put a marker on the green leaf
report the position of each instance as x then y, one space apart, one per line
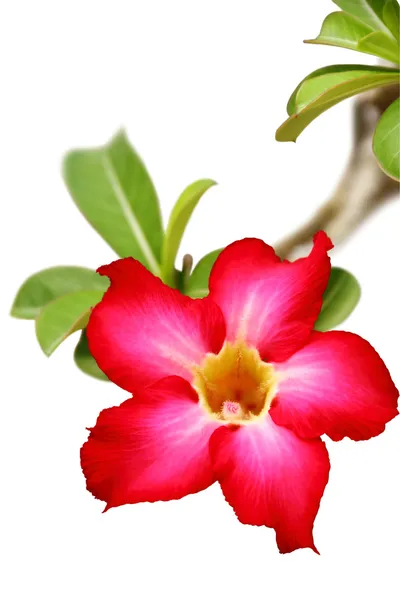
85 361
341 29
326 87
341 83
391 17
340 299
381 45
369 12
345 31
63 316
178 221
44 287
291 105
386 141
197 286
112 188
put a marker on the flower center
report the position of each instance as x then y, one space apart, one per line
235 385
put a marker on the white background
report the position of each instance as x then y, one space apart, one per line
201 88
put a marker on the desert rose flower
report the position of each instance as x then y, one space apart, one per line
235 388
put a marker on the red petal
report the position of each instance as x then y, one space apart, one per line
271 477
143 330
154 447
337 384
271 304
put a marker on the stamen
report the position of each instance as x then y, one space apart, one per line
235 385
231 410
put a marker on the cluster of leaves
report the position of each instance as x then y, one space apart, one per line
113 190
369 26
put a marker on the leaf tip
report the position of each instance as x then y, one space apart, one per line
280 135
119 134
14 311
19 312
210 183
47 350
67 162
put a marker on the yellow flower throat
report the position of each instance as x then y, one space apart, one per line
235 385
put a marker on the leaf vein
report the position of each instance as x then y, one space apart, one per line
129 215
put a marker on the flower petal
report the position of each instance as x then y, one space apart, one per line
154 447
143 330
271 477
337 384
273 305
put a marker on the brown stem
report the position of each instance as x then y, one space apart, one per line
187 264
363 188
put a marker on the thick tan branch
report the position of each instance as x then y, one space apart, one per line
363 188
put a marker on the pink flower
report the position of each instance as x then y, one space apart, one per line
235 388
